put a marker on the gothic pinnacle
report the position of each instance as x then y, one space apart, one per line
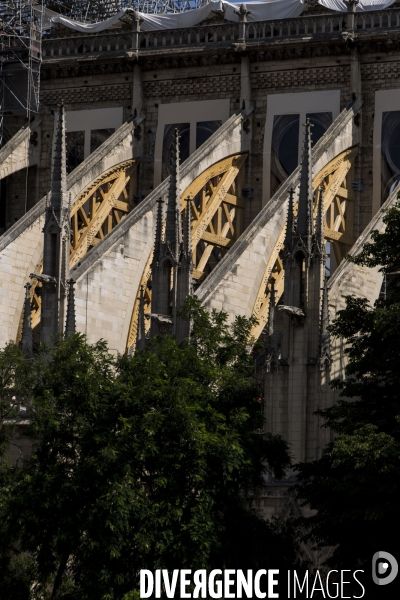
173 229
141 332
319 225
324 336
56 242
304 226
26 340
187 242
158 238
271 315
289 224
271 345
70 325
59 198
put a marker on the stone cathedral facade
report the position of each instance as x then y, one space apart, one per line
239 160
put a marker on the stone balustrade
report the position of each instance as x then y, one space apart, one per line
224 34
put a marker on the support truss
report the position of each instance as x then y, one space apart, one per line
95 212
338 229
217 221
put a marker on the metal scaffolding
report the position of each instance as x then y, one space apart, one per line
22 25
97 10
20 58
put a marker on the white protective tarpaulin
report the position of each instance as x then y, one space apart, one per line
87 27
260 11
362 6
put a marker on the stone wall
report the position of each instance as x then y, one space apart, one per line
21 247
108 278
350 279
234 283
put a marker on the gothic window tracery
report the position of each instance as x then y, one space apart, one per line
339 198
286 142
390 153
75 142
98 137
204 130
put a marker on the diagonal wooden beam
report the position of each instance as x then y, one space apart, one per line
198 184
206 220
217 240
338 236
102 213
199 271
333 176
107 177
219 194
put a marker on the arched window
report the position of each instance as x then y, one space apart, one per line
390 153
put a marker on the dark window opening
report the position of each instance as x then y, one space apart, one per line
168 146
204 130
321 122
284 149
285 143
98 137
390 153
75 149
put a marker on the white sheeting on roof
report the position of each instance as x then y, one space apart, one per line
260 11
362 6
88 27
267 10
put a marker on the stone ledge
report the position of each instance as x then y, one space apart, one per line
77 174
149 202
272 207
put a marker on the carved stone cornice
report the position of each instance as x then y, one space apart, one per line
176 58
190 60
59 70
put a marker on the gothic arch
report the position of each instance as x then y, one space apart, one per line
94 213
335 178
217 221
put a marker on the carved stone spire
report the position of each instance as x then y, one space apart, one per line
59 196
172 262
56 242
26 339
289 225
304 226
184 275
70 325
271 312
324 335
158 247
187 240
141 332
271 349
167 266
319 246
160 274
173 228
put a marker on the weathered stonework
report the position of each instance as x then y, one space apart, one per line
21 247
139 73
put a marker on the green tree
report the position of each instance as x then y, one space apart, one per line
143 461
355 485
16 378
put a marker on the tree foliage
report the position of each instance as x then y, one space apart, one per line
355 486
144 461
16 378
